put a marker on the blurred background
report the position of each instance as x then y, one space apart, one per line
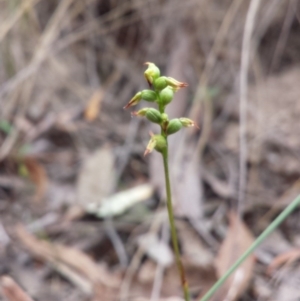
82 212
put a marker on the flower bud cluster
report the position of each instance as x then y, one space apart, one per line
162 92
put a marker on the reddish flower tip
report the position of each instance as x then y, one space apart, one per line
183 85
147 151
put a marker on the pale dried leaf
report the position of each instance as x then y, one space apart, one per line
262 287
288 289
284 258
12 291
120 202
97 178
192 248
4 237
84 284
156 249
188 189
147 272
237 241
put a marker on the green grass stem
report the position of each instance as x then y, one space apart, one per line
277 221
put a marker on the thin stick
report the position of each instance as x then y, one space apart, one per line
246 49
280 218
173 229
9 22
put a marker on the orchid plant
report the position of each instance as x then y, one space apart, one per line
161 92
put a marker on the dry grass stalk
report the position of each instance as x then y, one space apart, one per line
75 259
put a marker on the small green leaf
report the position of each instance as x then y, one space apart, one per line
5 126
23 171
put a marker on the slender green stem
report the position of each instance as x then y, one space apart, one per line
280 218
173 229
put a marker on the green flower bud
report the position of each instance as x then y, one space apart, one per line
161 143
141 112
157 142
151 73
148 95
154 115
175 83
150 113
164 116
160 83
174 126
186 122
166 95
134 100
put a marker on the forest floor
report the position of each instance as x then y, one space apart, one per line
82 211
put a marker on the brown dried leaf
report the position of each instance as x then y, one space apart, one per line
284 258
94 105
193 250
38 176
12 291
237 241
71 257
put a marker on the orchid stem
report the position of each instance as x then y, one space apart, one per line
184 283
